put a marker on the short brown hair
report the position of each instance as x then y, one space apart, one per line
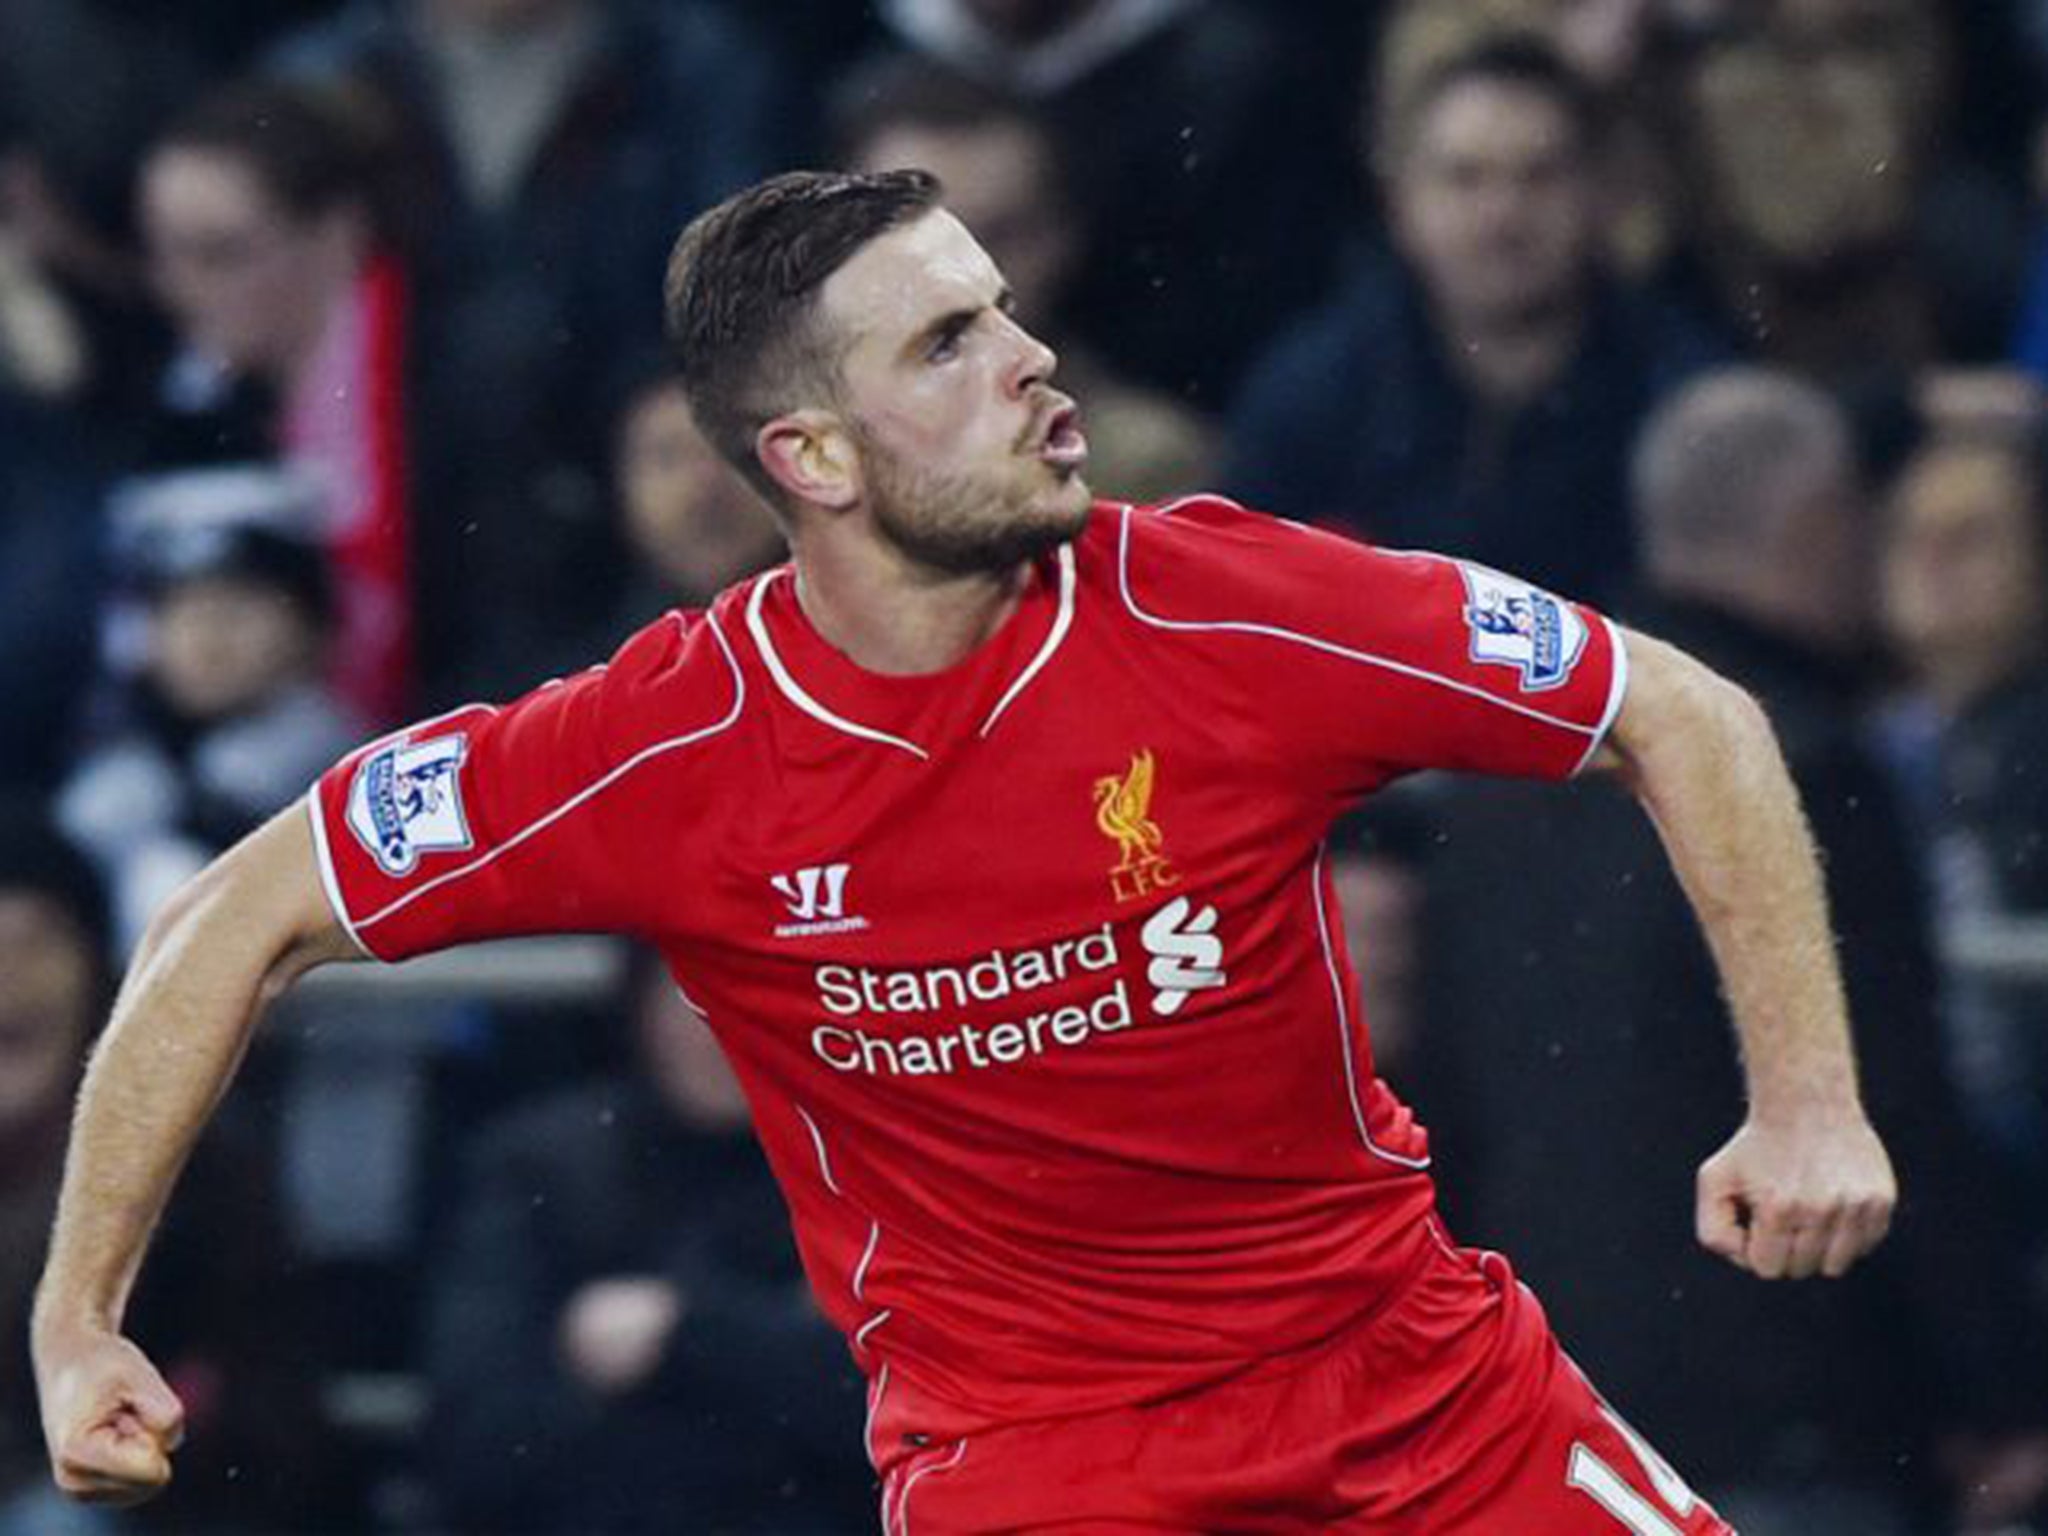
742 291
1518 60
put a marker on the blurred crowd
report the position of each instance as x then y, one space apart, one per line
332 394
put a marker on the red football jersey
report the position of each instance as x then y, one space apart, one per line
1030 967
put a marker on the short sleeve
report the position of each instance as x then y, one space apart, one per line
1368 663
531 817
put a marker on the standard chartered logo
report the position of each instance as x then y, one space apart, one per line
1186 956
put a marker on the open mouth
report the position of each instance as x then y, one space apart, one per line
1064 445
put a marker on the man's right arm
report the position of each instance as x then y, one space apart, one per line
228 943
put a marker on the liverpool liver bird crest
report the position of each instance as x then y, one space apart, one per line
1123 810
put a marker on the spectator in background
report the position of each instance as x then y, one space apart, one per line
225 721
43 346
692 525
695 526
1004 178
53 982
1479 395
553 149
1205 151
50 536
1611 45
85 86
220 1287
261 212
1964 567
1795 1412
619 1336
1844 234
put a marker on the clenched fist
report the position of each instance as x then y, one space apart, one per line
1793 1199
109 1420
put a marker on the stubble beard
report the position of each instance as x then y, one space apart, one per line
947 522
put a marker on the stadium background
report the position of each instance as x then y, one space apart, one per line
331 395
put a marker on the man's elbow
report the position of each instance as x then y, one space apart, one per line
1681 712
1725 711
261 896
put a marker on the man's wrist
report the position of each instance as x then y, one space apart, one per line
1807 1106
62 1309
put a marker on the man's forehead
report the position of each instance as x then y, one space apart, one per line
1485 104
901 280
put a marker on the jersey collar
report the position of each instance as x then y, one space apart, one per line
910 714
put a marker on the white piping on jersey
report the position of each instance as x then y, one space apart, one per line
419 727
824 1162
1062 622
1313 642
584 795
797 694
860 1270
910 1482
1617 689
794 691
324 857
1168 508
867 1432
1345 1032
1443 1241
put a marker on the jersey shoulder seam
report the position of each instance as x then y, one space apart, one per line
1256 628
589 792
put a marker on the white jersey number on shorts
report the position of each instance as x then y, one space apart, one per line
1612 1492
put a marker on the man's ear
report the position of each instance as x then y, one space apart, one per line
811 456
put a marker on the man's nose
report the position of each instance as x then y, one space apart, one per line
1035 360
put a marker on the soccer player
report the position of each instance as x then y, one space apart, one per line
989 835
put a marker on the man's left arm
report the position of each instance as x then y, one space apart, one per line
1805 1186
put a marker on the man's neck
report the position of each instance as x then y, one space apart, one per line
890 615
1509 360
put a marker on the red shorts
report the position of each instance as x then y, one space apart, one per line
1450 1412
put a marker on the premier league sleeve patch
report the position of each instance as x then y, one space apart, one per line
1516 625
406 800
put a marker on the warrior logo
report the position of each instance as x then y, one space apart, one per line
816 898
819 891
1123 810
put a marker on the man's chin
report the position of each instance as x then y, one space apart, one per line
1071 499
1063 519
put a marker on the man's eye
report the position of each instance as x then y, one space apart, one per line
944 347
